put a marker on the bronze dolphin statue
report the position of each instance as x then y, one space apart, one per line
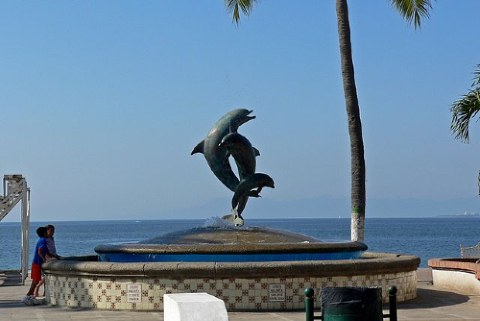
247 187
242 152
244 155
217 156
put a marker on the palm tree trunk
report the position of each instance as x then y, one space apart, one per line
358 194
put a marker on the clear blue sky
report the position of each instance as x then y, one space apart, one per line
102 101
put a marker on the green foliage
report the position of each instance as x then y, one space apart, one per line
413 10
234 6
464 109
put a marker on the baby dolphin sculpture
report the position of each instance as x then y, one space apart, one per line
246 188
217 156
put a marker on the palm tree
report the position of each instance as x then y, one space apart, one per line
412 11
464 109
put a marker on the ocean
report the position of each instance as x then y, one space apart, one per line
426 238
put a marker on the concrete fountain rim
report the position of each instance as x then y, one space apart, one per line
370 263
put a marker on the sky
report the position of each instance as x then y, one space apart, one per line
102 102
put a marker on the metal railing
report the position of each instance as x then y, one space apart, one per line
470 251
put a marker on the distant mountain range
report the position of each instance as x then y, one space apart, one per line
328 207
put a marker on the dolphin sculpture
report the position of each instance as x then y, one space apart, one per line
244 155
242 152
217 156
247 187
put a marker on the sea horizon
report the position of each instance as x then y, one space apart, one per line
474 215
425 237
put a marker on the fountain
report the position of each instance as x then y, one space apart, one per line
230 245
249 268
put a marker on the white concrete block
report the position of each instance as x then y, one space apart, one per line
193 307
459 281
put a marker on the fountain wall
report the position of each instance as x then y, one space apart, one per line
82 282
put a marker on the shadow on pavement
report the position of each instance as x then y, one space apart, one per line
431 298
10 304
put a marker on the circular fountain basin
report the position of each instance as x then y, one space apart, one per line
230 245
250 269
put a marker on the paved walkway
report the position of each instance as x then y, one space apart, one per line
431 304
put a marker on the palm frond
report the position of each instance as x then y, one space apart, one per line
466 108
463 110
413 10
234 7
476 78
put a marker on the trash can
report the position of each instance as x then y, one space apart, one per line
352 304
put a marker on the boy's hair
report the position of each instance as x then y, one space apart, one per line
50 226
42 231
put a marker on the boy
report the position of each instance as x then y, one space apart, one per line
39 257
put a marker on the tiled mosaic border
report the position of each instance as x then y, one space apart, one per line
239 294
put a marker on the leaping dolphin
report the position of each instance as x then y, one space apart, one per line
217 156
242 152
246 188
244 155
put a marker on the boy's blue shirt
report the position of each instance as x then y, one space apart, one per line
42 245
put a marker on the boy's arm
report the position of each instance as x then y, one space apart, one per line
41 253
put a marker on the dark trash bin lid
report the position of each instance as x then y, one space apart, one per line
352 304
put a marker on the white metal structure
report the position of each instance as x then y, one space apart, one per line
15 190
